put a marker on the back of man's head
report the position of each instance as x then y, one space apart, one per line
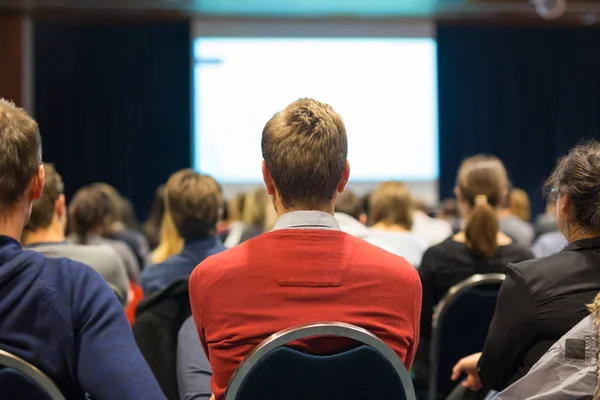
305 149
43 208
20 153
349 203
194 202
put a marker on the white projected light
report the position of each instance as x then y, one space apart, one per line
384 89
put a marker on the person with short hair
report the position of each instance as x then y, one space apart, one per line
305 269
56 313
193 202
45 232
391 211
542 299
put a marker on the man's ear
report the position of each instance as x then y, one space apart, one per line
37 183
269 184
345 176
60 206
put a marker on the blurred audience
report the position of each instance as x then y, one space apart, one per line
193 367
434 230
56 313
546 222
89 216
391 212
236 220
193 201
549 243
542 299
45 233
152 226
305 269
519 204
513 224
170 242
481 248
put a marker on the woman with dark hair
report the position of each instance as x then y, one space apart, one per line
542 299
479 248
153 224
89 219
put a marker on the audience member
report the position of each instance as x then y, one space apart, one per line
542 299
122 224
513 225
45 233
193 368
256 207
152 226
170 242
56 313
480 248
549 243
391 213
306 269
546 222
236 220
569 370
519 204
349 213
449 212
434 230
194 204
88 217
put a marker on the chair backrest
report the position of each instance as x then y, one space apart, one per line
21 380
275 371
460 325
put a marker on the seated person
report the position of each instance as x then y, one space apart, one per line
193 368
304 270
542 299
89 213
45 232
351 217
512 216
391 215
568 370
56 313
480 248
194 203
434 230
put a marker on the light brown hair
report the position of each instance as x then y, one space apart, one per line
256 206
483 183
194 202
21 149
89 212
392 204
349 203
305 149
235 208
519 204
42 210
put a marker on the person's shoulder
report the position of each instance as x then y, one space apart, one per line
516 252
378 259
446 248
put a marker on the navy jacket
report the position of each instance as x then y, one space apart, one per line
158 276
62 317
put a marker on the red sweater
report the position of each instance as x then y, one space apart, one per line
291 277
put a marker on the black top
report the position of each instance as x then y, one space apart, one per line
539 302
451 262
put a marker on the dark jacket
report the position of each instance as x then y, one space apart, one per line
158 320
538 303
63 318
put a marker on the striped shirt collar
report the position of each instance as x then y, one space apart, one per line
307 220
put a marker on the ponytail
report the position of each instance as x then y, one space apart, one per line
482 228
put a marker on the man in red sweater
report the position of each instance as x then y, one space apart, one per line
305 270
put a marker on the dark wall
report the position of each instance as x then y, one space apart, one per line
524 94
113 103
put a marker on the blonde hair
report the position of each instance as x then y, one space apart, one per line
519 204
235 208
256 206
170 242
392 204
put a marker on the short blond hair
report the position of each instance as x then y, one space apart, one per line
305 149
392 204
21 149
194 202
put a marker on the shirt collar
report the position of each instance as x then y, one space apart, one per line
307 220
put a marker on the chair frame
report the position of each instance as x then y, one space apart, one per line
453 292
11 361
292 334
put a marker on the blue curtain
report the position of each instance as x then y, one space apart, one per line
113 102
524 94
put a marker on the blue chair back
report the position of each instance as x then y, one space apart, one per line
460 325
275 371
21 380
